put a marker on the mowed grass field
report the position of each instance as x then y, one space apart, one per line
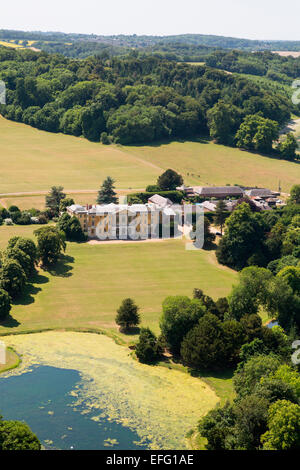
88 286
33 161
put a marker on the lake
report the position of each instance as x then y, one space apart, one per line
83 390
42 399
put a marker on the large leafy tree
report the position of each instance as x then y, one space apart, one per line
223 122
15 435
243 237
71 227
283 427
106 194
22 258
27 246
257 133
169 180
288 147
216 426
12 277
246 377
179 315
295 194
50 244
251 414
5 305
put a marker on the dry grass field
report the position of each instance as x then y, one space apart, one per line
31 161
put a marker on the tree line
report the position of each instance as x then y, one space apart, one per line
132 100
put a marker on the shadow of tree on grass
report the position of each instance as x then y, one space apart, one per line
10 322
62 267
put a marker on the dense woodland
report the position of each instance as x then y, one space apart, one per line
272 66
134 100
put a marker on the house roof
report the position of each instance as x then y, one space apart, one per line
212 190
211 206
259 192
98 209
160 200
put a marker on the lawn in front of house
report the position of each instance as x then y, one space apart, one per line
89 284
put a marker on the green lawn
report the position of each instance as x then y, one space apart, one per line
89 285
33 160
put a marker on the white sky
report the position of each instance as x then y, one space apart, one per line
254 19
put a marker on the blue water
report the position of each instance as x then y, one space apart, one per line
31 396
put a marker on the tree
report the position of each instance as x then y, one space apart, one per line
283 427
53 199
295 194
216 426
127 314
5 306
27 246
281 303
203 346
291 275
251 414
71 227
221 214
207 301
169 180
275 389
289 376
92 122
257 133
246 377
21 257
209 237
243 237
104 139
179 316
147 349
64 203
246 297
106 194
12 277
223 122
288 147
50 244
234 336
15 435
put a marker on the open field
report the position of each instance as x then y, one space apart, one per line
37 201
287 53
211 164
88 286
33 161
10 44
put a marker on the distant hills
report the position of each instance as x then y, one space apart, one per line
192 46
